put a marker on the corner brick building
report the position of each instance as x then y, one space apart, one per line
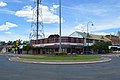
76 42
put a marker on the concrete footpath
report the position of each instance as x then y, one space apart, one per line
17 59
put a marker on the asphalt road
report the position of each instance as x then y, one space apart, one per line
24 71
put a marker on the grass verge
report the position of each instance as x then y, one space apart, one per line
77 57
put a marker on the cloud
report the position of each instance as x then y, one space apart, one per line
98 30
13 37
118 17
99 27
99 8
47 15
16 1
2 4
101 33
26 12
104 33
53 8
83 28
79 27
6 11
7 26
91 9
31 0
8 32
106 26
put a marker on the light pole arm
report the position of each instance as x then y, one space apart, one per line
88 25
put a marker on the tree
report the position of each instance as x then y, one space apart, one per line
105 47
10 43
27 48
96 47
2 43
25 42
101 47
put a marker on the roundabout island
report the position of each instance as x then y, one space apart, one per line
43 59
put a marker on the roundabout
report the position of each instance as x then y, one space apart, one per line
18 59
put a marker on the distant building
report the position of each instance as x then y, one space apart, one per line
115 40
4 48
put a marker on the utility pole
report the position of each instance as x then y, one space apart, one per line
60 46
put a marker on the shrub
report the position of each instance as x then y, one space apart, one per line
60 53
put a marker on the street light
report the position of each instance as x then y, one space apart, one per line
87 49
60 47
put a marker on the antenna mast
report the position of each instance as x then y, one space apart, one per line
37 22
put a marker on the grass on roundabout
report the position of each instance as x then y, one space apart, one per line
77 57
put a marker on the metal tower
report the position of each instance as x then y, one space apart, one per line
37 22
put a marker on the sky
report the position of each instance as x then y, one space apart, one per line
16 17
